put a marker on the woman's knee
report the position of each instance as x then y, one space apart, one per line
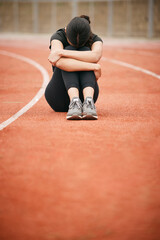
84 48
69 47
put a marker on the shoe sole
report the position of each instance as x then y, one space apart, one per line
74 117
89 117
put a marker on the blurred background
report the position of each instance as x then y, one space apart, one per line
109 18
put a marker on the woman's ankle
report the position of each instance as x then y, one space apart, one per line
73 92
88 92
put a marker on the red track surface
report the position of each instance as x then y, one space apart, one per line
81 180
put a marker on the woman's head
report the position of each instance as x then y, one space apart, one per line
78 31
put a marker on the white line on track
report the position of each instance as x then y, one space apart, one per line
137 52
124 64
37 96
46 79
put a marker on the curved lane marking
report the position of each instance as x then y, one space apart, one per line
46 79
37 96
136 68
137 52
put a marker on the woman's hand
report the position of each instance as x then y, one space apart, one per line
54 56
97 71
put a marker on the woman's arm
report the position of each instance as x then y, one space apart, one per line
92 56
56 47
69 64
72 65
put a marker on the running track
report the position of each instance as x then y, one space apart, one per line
81 180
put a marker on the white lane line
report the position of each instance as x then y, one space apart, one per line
135 51
124 64
37 96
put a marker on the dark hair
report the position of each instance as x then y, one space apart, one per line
78 31
89 42
86 17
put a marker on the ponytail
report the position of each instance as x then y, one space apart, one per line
86 17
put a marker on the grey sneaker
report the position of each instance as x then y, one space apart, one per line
75 109
89 109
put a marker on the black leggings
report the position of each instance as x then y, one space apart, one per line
56 91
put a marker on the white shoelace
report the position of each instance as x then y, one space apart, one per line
75 103
89 103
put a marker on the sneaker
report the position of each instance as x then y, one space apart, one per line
89 109
75 109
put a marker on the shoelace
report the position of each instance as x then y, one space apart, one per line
74 104
89 103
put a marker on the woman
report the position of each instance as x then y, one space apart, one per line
75 52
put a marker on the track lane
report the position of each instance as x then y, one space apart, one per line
85 180
37 96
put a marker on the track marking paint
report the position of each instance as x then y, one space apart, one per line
141 53
37 96
128 65
46 79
